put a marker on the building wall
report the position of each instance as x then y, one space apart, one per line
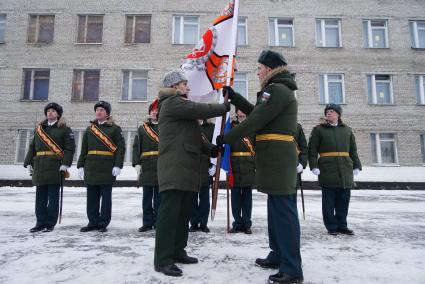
405 117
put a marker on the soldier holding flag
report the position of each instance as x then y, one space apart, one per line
145 159
274 121
180 147
50 153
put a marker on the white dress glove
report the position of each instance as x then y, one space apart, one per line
63 168
316 171
211 171
81 173
138 169
30 170
300 168
116 171
356 172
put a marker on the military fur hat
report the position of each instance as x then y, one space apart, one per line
173 77
54 106
105 105
335 107
272 59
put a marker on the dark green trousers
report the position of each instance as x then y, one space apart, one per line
172 226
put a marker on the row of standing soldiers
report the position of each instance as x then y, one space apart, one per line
264 155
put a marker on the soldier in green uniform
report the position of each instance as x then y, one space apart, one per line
274 122
302 152
334 141
145 159
201 201
50 153
180 147
100 162
243 169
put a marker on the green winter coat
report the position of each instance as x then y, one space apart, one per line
46 168
207 130
98 168
335 172
243 167
180 141
143 142
274 113
303 148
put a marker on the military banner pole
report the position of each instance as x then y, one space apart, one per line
302 195
229 73
61 196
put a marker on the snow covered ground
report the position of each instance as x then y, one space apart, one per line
389 245
369 174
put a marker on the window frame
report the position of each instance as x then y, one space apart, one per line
246 81
85 28
323 32
245 24
422 143
134 16
130 88
4 24
374 93
27 144
32 83
370 33
276 30
326 87
81 95
420 87
181 28
378 150
37 29
414 24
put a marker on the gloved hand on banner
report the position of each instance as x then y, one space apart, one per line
116 171
81 173
63 168
138 169
316 171
229 90
219 141
211 171
300 168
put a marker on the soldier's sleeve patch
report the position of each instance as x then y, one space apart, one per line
71 135
265 97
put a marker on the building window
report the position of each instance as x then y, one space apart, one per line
36 84
90 29
417 33
78 138
384 148
41 28
420 89
242 31
380 89
281 32
375 34
2 27
85 85
328 33
135 86
332 88
423 147
129 139
25 137
185 29
241 84
138 29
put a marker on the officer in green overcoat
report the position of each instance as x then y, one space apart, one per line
100 162
180 147
48 158
145 159
333 158
273 120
